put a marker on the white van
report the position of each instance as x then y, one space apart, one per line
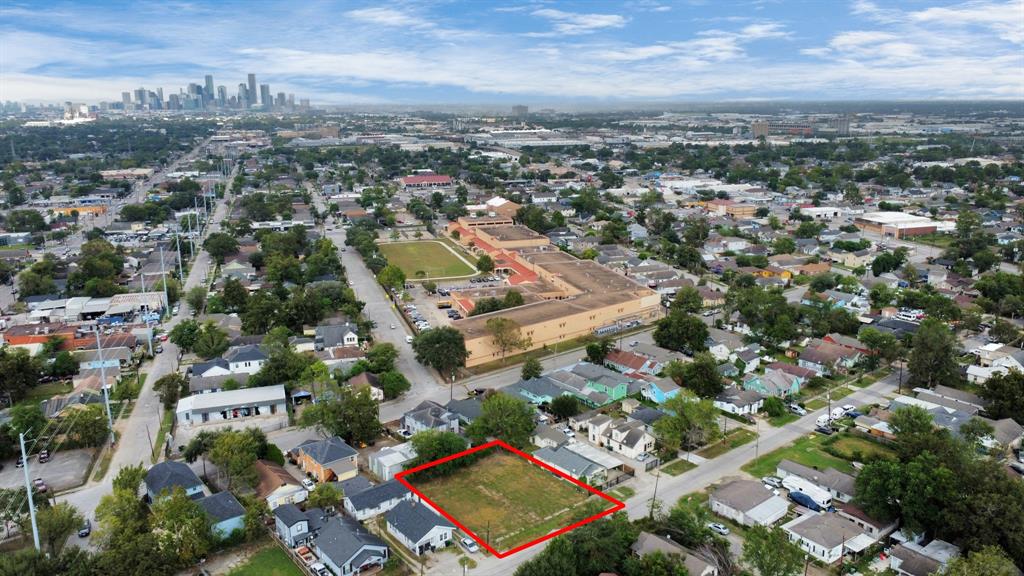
838 413
408 339
823 420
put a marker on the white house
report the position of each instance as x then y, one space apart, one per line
747 502
247 359
377 500
277 486
241 407
735 400
629 438
826 537
387 462
419 528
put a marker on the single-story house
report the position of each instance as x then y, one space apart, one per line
547 436
388 461
736 401
327 459
626 362
276 485
347 548
773 382
376 500
647 543
117 358
826 537
330 336
574 464
840 485
419 528
239 407
168 475
747 502
225 512
658 390
368 381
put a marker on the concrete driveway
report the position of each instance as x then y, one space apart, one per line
66 469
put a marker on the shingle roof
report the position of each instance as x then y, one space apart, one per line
342 540
289 514
327 450
742 495
166 475
221 506
415 520
373 497
249 353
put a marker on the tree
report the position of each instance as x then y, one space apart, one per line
391 276
354 416
185 334
989 561
28 419
130 478
598 351
656 563
564 406
56 523
170 388
32 283
64 365
196 298
933 358
506 336
394 384
503 417
443 349
881 344
324 496
532 368
1003 331
432 445
90 427
211 342
880 489
771 553
381 357
234 295
235 452
975 430
485 264
1005 396
702 376
181 526
220 245
21 371
774 407
783 245
688 300
690 422
681 331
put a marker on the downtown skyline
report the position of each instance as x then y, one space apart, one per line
597 52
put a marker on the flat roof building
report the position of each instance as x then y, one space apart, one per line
895 224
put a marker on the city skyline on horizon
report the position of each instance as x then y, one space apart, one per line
586 53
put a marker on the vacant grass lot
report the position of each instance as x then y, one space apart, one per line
807 451
271 561
678 467
512 498
734 439
432 258
856 448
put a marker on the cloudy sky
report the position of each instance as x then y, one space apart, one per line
530 52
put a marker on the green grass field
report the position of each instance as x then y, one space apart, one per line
432 258
271 561
734 439
807 450
513 499
678 467
850 446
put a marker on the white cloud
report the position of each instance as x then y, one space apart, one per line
387 17
574 23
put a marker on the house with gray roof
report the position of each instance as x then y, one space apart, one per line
735 400
225 512
168 475
747 502
390 460
376 500
467 410
573 464
419 528
295 527
648 543
348 548
430 415
327 459
826 537
841 486
331 336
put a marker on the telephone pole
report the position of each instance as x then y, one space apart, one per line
163 275
28 490
103 384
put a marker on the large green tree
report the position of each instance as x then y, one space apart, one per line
220 245
503 417
933 357
431 445
702 376
771 553
351 415
211 341
507 336
185 334
181 526
681 331
235 453
690 422
56 523
1005 396
443 349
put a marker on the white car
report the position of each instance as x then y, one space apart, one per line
308 484
470 545
718 528
568 432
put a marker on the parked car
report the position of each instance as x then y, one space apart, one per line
305 553
795 409
404 433
308 483
469 544
408 339
826 430
773 481
44 456
19 463
159 349
718 528
40 485
85 529
847 408
568 432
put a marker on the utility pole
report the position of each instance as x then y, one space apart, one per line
654 497
103 385
28 491
163 275
181 270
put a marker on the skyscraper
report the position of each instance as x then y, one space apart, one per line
252 89
126 100
208 89
243 95
222 96
266 99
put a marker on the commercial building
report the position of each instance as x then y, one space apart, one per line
895 224
244 407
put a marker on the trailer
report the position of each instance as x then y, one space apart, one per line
818 495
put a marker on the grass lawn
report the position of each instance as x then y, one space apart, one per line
678 467
840 392
506 500
849 446
622 492
734 439
816 404
807 450
271 561
433 258
783 420
49 390
165 427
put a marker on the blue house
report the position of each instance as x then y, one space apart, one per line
225 512
773 383
659 390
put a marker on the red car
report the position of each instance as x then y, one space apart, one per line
162 337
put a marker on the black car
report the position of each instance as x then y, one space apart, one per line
85 529
44 456
826 430
20 463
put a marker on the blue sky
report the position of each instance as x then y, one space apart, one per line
536 53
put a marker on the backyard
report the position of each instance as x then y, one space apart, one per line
506 500
271 561
430 257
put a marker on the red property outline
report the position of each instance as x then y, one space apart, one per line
401 478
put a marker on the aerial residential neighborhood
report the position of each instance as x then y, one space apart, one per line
245 334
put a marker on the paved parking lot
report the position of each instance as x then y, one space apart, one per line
66 469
